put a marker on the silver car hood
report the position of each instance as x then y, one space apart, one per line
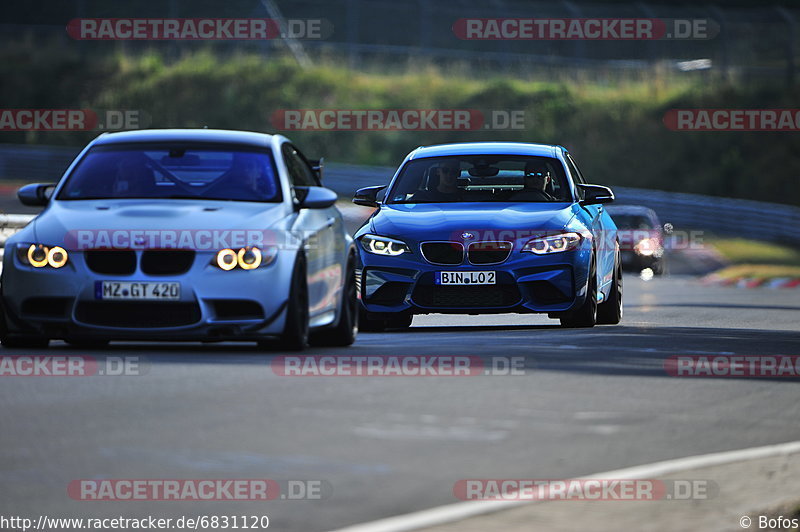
64 217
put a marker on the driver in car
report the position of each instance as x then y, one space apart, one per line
536 179
246 179
133 179
442 184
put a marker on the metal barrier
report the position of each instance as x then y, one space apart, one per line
11 223
36 164
725 216
755 220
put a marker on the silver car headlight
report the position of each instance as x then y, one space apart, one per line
553 244
247 258
381 245
41 256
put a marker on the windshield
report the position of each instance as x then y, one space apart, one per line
481 178
632 221
177 172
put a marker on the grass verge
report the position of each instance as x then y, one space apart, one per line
757 260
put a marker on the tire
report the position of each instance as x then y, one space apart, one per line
346 329
586 314
401 321
366 323
369 323
658 267
18 340
295 332
610 312
87 343
24 341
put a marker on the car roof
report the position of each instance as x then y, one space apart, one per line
186 135
486 148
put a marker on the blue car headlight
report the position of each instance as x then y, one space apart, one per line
41 256
381 245
553 244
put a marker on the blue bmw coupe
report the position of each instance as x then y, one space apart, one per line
488 227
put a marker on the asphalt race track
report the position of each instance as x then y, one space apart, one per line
590 400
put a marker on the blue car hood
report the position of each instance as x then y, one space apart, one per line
62 217
440 221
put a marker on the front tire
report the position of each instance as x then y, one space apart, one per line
610 312
346 330
24 341
11 340
658 267
586 314
400 322
295 332
369 323
87 343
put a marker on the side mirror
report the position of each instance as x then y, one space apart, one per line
315 197
36 195
368 196
596 194
317 165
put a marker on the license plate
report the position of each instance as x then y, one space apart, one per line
461 278
138 290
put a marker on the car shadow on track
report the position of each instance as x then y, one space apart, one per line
615 351
714 305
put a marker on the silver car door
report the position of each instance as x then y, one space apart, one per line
316 226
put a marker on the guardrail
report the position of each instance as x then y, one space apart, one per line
725 216
36 164
756 220
11 223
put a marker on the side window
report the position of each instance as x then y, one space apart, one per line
306 166
300 172
576 174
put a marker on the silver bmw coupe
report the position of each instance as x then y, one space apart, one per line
184 234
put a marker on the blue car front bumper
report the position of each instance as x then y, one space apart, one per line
524 283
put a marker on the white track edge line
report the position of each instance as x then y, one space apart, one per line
461 510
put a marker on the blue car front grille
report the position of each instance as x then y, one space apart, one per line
446 253
489 252
481 296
